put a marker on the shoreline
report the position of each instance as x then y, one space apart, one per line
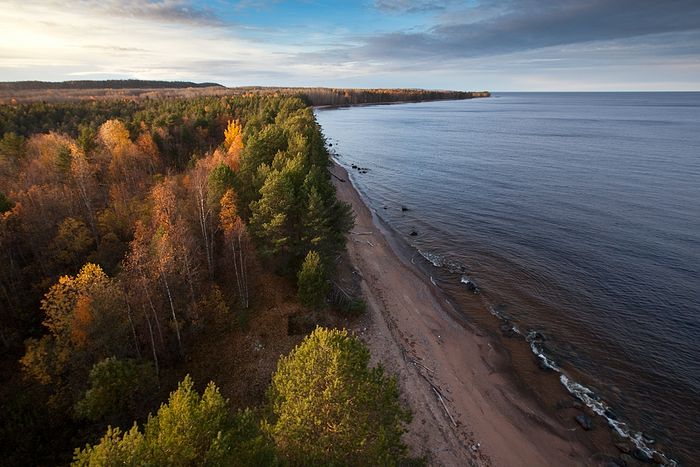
416 101
467 404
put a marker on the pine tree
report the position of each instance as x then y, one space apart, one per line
116 386
189 430
330 408
311 282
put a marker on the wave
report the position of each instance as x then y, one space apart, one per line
440 261
584 394
435 260
535 340
592 400
471 285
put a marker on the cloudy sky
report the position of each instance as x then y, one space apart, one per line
497 45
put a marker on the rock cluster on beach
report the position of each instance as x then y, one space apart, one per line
362 170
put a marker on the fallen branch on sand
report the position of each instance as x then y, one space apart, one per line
410 358
444 406
431 372
366 241
340 179
361 233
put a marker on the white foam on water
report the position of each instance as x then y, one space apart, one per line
473 287
588 397
435 260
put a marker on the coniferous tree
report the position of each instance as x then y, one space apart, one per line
312 283
116 387
189 430
330 408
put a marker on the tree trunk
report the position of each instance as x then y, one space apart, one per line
239 282
244 274
153 342
133 329
188 271
172 309
206 233
153 309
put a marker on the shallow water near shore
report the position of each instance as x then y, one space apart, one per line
575 215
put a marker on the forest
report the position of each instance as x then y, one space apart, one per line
103 84
132 233
24 92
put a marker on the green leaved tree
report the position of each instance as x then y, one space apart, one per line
189 430
312 284
116 388
329 408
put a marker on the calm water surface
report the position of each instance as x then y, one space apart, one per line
578 215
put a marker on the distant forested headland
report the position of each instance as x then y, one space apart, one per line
70 91
102 84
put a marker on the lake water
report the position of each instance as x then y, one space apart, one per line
576 214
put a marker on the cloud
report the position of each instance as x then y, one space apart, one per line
410 6
526 25
162 11
476 44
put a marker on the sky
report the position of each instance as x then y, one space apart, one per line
511 45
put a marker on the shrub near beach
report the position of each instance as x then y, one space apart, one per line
326 407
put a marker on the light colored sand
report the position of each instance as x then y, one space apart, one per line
414 337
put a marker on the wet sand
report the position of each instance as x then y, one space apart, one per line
467 407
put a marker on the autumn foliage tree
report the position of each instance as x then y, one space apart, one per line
128 229
233 143
85 316
236 238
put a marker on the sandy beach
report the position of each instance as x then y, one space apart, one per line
467 408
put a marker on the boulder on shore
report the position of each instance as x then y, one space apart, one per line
585 421
641 455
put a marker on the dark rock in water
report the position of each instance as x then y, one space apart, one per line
500 311
641 455
585 421
471 286
507 330
404 209
354 166
623 447
564 404
330 145
413 233
612 462
537 336
386 207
